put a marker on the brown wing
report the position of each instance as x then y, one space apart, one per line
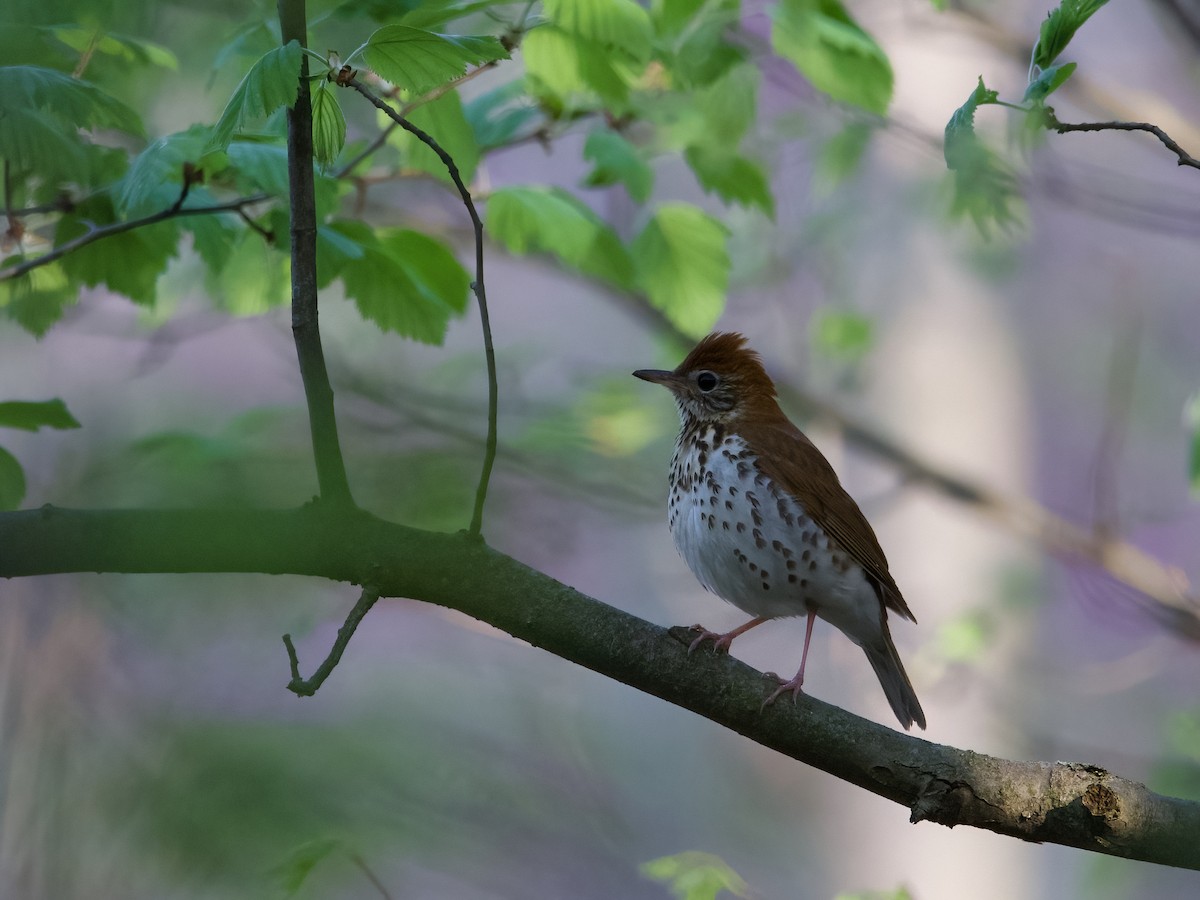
789 458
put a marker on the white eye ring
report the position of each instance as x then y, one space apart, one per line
707 381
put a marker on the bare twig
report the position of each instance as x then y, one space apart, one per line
1185 158
327 452
406 110
306 687
104 231
489 455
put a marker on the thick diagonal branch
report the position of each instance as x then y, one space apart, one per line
1064 803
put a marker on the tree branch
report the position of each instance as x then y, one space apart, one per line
306 687
95 234
327 452
489 453
406 110
1064 803
1185 158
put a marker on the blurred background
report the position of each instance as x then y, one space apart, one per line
149 748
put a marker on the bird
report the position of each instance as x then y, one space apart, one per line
758 514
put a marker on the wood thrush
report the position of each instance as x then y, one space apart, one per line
759 515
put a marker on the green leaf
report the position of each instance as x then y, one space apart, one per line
732 177
38 299
422 60
328 125
33 415
616 161
961 146
1049 81
984 188
155 177
1060 26
500 114
334 251
697 31
405 282
127 49
444 121
549 220
40 120
695 876
620 25
569 73
12 481
829 48
213 236
254 277
264 167
291 874
272 83
32 143
71 101
128 263
682 264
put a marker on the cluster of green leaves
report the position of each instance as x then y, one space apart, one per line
985 186
646 85
667 80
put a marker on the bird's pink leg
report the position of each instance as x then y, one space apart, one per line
798 682
721 642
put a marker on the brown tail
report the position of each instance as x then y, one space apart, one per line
899 690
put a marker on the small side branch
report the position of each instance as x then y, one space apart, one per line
489 456
306 687
1185 158
174 211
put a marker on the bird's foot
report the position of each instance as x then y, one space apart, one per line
720 641
794 687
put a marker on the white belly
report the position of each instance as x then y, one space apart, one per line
756 548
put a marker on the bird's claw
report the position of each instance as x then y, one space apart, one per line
720 644
794 687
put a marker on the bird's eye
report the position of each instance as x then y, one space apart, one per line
706 381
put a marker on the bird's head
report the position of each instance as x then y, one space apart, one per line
719 381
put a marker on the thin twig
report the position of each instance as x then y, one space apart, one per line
489 455
306 687
1185 158
406 110
95 234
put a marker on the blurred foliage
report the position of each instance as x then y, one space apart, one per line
898 894
693 875
986 188
1178 774
1192 421
26 416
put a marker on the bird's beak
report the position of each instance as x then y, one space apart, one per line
657 376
